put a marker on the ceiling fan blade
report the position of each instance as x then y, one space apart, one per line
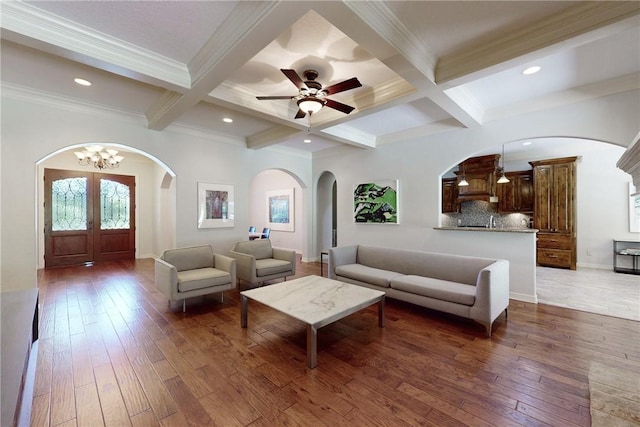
300 114
262 98
339 106
294 77
352 83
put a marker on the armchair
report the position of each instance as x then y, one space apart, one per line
194 271
258 262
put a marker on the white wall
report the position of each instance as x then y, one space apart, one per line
270 180
418 164
32 130
603 207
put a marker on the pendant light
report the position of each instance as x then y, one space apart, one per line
463 182
503 179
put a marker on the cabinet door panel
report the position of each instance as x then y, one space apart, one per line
544 197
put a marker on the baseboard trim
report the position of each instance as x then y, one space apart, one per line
523 297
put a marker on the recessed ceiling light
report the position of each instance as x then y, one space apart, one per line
526 143
82 82
531 70
227 120
307 141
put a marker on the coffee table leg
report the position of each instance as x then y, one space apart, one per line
312 346
381 312
243 311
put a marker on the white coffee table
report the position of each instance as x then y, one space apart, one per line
316 301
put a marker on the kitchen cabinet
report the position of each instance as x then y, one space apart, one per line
516 196
480 173
449 195
554 213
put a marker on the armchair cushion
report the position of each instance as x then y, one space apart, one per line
267 267
190 280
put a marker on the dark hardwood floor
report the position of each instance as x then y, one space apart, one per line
112 352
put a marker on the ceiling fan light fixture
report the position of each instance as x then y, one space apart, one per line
310 105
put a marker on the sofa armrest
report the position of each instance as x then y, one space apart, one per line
245 266
166 278
286 255
341 255
225 263
492 293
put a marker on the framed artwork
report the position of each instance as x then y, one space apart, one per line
634 209
376 202
280 210
215 205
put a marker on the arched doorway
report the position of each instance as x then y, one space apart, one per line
327 211
279 189
154 204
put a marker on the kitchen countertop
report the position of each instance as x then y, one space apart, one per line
491 230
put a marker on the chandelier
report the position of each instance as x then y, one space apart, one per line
100 157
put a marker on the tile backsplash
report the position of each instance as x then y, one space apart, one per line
478 213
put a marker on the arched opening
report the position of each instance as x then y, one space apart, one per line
277 201
155 196
326 212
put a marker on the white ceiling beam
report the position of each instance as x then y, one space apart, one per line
378 30
576 25
272 136
247 30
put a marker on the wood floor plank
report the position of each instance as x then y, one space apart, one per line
145 419
88 404
158 396
63 407
40 410
135 359
114 410
188 403
81 359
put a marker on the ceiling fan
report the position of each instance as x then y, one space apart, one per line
312 96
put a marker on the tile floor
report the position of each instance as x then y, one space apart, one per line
591 290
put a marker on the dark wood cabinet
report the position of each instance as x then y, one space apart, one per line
555 211
517 195
480 173
449 195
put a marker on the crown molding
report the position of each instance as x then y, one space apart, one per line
577 23
46 99
615 86
78 40
630 161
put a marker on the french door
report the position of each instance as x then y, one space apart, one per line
88 217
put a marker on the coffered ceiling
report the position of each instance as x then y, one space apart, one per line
425 66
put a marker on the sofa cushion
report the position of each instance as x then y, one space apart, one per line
190 258
200 278
259 249
458 293
269 266
453 268
360 272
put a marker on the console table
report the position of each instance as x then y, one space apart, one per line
626 248
19 330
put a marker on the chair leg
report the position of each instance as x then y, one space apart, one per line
222 297
506 312
184 305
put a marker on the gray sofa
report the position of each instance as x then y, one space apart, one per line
258 262
471 287
194 271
